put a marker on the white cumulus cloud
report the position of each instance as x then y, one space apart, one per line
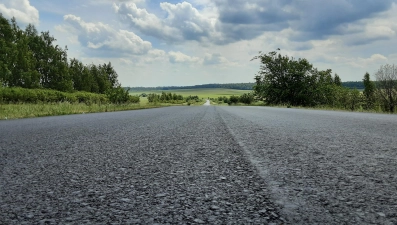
215 58
182 23
103 37
179 57
21 10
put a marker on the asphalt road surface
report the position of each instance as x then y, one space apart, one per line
200 164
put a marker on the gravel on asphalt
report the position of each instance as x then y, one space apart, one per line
175 165
322 167
200 165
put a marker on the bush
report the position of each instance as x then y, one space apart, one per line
233 99
165 98
133 99
118 95
152 98
192 98
18 95
246 98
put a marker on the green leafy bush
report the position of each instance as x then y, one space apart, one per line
23 95
246 98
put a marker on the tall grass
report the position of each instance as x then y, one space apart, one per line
27 110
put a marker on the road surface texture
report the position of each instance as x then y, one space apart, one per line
203 164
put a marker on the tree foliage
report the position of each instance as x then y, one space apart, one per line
387 86
369 92
166 98
289 81
30 59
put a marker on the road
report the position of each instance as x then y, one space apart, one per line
209 165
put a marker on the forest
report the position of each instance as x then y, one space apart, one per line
238 86
32 60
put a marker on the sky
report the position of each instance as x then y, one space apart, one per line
175 43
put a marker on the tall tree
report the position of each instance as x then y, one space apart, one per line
387 86
282 80
112 75
369 91
6 47
76 69
337 80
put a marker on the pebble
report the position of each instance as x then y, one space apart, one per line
381 214
214 207
198 221
161 195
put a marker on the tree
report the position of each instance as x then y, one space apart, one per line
111 75
32 60
355 99
369 91
76 69
337 80
282 80
285 80
387 86
6 47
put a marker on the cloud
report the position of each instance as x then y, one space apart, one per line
182 23
335 17
102 38
215 59
311 19
146 22
179 57
237 20
21 10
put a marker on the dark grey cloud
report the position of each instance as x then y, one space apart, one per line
310 19
254 12
325 18
365 40
246 20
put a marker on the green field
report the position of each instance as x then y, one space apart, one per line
201 92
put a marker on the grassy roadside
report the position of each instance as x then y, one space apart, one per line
326 108
29 110
25 110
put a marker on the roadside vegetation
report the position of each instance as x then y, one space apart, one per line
174 98
38 79
202 93
292 82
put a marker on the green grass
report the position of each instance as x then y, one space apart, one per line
28 110
200 92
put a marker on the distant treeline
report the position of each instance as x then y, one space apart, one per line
353 84
237 86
